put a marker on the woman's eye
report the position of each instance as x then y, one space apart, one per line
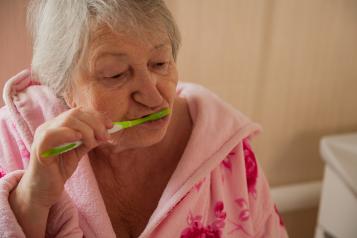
161 66
117 76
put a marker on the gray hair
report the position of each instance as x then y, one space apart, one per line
60 30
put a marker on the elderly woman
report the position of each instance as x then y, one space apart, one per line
189 174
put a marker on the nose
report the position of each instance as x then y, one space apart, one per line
146 91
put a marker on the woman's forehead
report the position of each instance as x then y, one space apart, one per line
105 41
144 38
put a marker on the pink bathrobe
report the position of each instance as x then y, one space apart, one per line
217 189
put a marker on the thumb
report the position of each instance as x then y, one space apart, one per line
53 138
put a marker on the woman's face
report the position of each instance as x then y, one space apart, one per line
127 77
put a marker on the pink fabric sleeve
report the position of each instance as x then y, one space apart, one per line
62 219
14 157
9 226
13 153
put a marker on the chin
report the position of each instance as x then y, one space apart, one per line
146 138
136 139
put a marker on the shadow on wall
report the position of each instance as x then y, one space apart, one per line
301 151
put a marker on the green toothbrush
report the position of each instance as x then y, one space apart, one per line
117 127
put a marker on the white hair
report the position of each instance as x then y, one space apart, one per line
60 30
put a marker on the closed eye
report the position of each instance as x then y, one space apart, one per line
161 67
160 64
118 76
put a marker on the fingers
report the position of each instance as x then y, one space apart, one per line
47 176
97 122
48 138
73 125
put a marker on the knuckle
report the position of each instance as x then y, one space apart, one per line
66 119
102 130
89 139
91 144
73 112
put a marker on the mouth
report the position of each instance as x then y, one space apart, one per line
145 115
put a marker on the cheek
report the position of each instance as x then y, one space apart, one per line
170 90
168 86
111 103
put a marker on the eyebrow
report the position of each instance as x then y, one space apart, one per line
117 55
160 46
123 55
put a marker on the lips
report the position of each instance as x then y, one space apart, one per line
143 115
146 114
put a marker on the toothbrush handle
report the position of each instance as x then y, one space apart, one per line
72 145
61 149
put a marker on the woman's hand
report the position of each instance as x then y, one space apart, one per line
43 181
44 178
